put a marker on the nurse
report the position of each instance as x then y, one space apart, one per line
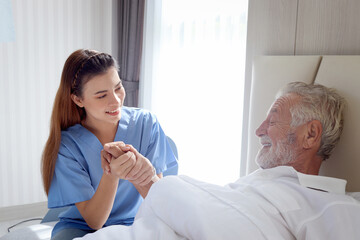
88 113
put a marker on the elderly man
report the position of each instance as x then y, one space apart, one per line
301 129
284 199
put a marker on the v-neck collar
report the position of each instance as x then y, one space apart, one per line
94 143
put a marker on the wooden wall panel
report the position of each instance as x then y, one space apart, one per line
328 27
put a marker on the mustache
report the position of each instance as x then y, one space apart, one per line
290 139
265 140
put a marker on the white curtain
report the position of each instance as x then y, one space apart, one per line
192 78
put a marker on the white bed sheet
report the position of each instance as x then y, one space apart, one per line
192 210
207 212
179 208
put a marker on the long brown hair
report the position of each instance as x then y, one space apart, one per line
79 68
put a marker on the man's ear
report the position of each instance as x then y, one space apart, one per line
77 100
313 134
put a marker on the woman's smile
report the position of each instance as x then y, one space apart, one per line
114 112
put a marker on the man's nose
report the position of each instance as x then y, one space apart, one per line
261 130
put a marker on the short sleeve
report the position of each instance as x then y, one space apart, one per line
71 181
159 151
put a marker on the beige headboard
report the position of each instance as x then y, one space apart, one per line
270 73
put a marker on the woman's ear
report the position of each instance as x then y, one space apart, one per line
77 100
313 134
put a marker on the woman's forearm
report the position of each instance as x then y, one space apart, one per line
97 210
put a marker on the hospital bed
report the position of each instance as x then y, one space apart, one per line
269 74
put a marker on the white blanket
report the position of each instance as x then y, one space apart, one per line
183 208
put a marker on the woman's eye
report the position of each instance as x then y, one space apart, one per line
119 88
102 96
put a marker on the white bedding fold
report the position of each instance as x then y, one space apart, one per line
183 208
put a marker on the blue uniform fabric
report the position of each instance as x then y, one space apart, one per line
78 167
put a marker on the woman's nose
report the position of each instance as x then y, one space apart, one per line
114 98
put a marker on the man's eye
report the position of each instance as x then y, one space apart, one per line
119 88
272 123
102 96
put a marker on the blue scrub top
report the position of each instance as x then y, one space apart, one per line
78 167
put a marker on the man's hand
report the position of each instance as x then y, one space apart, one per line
143 171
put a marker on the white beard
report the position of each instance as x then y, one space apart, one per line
282 155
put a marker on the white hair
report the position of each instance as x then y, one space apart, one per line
318 103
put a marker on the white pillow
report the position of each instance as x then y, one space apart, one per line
355 195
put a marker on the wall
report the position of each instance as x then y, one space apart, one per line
47 31
297 27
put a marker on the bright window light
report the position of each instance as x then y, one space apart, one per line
197 93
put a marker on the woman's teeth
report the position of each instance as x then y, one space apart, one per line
112 111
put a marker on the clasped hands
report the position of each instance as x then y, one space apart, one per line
123 161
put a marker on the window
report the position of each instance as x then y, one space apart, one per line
196 52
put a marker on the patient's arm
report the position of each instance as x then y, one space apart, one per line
143 190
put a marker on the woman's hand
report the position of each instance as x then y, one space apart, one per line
105 161
106 156
117 160
125 162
